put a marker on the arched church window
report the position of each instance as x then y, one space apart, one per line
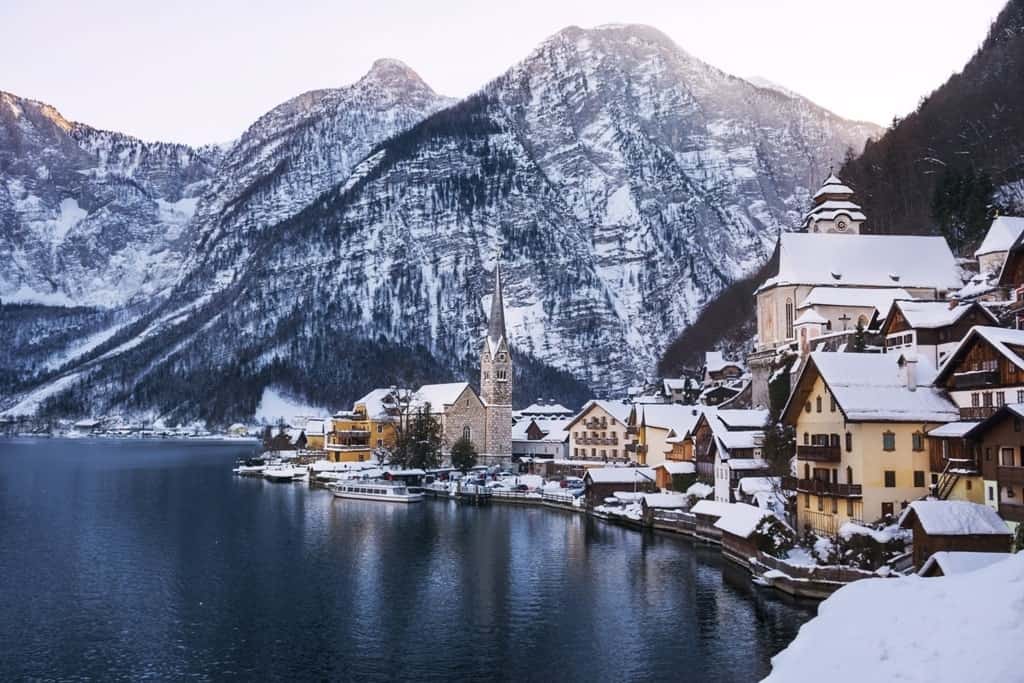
467 433
789 318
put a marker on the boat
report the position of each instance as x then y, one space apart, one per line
284 473
376 489
250 470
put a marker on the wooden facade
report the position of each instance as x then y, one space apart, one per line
925 544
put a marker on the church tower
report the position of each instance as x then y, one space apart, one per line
496 379
834 210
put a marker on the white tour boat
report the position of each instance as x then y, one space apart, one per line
376 489
284 473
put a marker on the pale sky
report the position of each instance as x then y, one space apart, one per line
202 71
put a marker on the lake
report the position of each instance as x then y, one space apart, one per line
132 559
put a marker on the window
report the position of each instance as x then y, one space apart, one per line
1016 424
975 400
1020 396
968 484
832 403
807 501
918 442
986 399
849 442
887 509
835 506
849 507
501 375
890 479
467 433
991 493
807 407
501 357
849 475
1006 457
817 402
1000 398
807 437
919 478
380 429
821 503
380 443
789 318
615 452
807 471
888 441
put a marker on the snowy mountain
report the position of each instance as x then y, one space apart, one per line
90 216
621 181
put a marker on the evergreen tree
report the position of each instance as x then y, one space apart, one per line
463 455
860 344
419 443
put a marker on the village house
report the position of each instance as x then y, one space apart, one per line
604 482
683 390
952 563
549 410
1001 236
998 450
727 448
931 329
315 431
953 463
954 525
717 370
985 371
842 277
675 475
373 422
538 437
860 421
660 429
599 432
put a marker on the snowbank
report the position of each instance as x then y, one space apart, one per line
951 628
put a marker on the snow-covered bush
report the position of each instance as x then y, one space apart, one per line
870 546
773 537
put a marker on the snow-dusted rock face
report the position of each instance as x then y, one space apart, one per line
90 216
622 181
298 150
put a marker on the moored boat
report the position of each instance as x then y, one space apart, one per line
284 473
376 489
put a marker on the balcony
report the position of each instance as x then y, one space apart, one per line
822 488
975 379
594 423
1011 512
1010 475
596 441
819 453
977 412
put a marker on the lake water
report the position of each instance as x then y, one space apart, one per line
130 559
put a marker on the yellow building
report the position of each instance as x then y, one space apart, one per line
660 431
860 421
372 423
599 432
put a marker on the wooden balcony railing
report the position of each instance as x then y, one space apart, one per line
819 453
977 412
822 488
975 379
1011 512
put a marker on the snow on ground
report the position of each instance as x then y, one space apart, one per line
914 630
70 215
83 346
30 404
275 405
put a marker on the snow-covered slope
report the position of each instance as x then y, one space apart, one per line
90 216
622 181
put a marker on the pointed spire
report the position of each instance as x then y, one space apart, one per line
496 324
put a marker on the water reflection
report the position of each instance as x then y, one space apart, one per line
150 559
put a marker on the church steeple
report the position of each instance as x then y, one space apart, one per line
496 324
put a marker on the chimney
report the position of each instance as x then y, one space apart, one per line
908 362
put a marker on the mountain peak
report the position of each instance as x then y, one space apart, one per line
393 73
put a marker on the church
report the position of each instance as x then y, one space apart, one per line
832 278
485 419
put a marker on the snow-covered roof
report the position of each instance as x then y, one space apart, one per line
673 416
952 430
741 519
665 500
620 475
751 485
554 429
878 298
869 387
715 361
960 562
714 508
677 467
542 409
913 630
315 427
700 490
730 440
377 403
742 419
810 317
1001 235
932 314
439 395
955 518
679 384
743 464
616 409
833 185
1000 338
866 261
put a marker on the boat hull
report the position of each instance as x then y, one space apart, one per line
383 497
